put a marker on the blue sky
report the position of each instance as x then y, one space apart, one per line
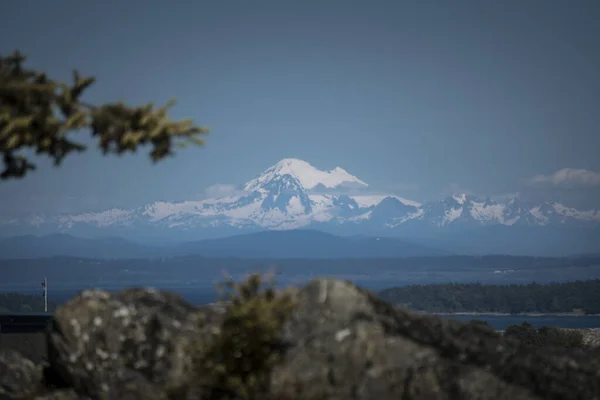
417 97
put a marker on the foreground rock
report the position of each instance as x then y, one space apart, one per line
19 377
128 344
340 342
349 344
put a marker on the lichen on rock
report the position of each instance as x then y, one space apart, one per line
19 377
102 344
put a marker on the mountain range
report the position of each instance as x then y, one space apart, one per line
293 194
296 244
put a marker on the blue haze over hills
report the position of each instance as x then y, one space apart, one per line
463 128
292 202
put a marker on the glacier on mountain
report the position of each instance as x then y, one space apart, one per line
293 194
304 174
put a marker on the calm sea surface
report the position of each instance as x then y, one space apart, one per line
203 294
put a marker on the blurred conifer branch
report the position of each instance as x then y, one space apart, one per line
37 112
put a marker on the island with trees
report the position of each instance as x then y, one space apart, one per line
580 297
20 303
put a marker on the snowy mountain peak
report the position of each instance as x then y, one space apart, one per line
305 174
293 194
460 198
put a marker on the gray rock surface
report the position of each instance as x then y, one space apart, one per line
351 345
107 346
19 377
341 343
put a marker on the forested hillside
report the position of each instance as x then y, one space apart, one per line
514 299
23 303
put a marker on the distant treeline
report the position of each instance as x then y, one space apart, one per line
514 299
439 298
23 303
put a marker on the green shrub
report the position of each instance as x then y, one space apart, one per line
545 336
237 360
481 323
525 333
561 337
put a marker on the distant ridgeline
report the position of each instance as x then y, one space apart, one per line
580 296
23 303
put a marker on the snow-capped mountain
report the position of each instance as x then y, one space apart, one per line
304 175
293 194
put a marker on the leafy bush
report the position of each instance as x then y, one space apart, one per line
561 337
525 333
480 322
545 336
237 360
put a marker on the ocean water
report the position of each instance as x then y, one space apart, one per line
200 294
195 292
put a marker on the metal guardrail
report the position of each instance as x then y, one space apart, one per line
24 323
